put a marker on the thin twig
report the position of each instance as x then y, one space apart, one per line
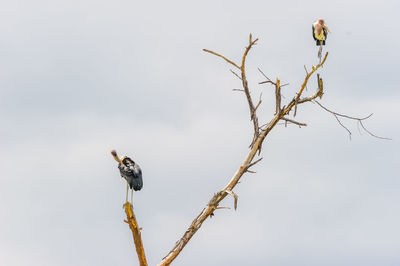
258 104
373 135
340 123
223 57
358 128
254 163
342 115
358 119
235 197
236 74
294 122
268 79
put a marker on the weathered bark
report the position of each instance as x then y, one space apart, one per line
247 163
133 225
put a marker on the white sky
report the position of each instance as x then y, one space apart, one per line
78 78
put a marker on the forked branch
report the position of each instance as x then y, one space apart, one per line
242 67
358 119
259 136
260 133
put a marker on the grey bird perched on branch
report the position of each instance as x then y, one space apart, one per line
131 172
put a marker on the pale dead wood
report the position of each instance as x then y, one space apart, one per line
217 198
303 86
245 85
260 133
266 81
243 168
242 77
236 74
278 97
223 57
137 238
254 163
294 122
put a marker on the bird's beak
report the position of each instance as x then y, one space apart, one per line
115 156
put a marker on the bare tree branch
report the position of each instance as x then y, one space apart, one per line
223 57
137 238
235 197
358 119
253 109
342 115
260 133
218 197
258 104
319 92
278 98
248 161
253 163
268 79
373 135
236 74
245 85
305 68
340 123
309 74
294 122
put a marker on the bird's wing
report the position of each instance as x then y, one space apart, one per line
137 170
137 181
325 32
313 32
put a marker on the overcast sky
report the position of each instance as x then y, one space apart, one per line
79 78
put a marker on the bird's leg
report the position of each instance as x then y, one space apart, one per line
320 51
132 197
127 187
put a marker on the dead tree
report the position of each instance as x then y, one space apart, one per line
282 114
259 134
